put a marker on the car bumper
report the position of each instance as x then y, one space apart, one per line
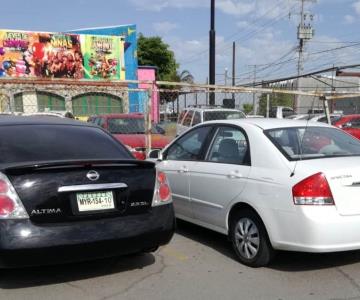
317 229
23 243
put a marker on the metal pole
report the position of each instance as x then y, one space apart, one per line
233 68
148 122
254 95
267 105
207 92
327 111
212 50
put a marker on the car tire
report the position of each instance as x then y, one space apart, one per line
250 239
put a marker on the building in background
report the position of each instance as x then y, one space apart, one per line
149 73
92 64
328 84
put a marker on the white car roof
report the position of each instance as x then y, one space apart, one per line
270 123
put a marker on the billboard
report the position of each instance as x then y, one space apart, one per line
128 32
102 57
59 55
129 38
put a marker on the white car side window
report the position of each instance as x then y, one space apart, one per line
188 147
229 146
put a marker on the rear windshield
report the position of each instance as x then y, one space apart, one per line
129 126
223 115
27 143
300 143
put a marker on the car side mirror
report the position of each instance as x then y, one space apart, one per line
155 154
347 125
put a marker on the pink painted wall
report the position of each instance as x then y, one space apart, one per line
150 74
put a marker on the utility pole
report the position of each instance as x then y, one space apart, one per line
212 52
305 33
233 68
226 76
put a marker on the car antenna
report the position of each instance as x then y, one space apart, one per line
302 138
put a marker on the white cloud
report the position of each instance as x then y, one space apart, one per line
349 19
164 27
237 8
356 5
265 8
159 5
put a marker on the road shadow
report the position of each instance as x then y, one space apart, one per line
300 261
46 275
283 261
209 238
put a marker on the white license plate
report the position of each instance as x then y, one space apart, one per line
95 201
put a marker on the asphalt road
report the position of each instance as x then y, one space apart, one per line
197 264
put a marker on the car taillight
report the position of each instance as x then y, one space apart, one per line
313 190
162 193
10 203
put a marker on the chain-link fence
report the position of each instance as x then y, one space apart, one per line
150 117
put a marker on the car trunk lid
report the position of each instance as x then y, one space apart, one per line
343 176
65 191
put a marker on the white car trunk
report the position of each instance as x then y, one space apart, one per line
343 176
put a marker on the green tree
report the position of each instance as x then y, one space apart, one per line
247 108
152 51
275 100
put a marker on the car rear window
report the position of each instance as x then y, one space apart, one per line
223 115
300 143
24 143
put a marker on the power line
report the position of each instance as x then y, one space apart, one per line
300 76
247 36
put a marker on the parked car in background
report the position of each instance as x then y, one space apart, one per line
349 123
322 118
129 129
280 112
70 192
192 116
268 184
299 117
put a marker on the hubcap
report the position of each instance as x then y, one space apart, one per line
247 238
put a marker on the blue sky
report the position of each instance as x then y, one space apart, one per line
265 35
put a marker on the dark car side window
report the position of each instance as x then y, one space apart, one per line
229 146
189 146
355 123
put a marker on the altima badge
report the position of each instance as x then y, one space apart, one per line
93 175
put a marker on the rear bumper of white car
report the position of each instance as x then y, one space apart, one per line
316 229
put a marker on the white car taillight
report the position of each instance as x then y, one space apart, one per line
313 190
10 203
162 193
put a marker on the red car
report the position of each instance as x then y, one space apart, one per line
350 124
129 129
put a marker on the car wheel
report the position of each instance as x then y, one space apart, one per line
250 240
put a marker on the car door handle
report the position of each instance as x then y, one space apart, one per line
183 170
234 175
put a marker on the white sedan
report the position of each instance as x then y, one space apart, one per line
269 185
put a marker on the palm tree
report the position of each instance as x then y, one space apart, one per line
186 76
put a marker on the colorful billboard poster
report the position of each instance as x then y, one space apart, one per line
103 57
128 33
61 55
35 54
